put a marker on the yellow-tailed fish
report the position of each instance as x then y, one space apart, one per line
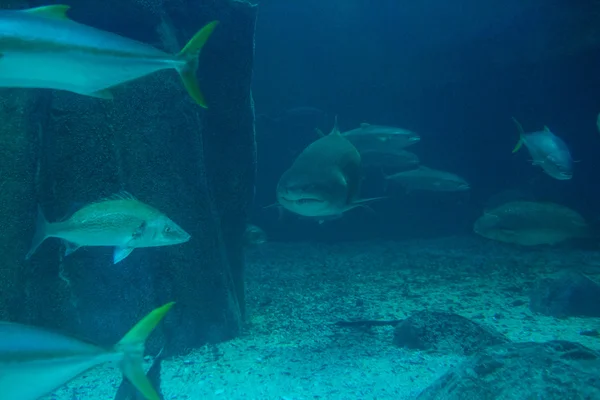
35 362
42 48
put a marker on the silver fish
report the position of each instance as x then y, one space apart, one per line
368 136
324 180
254 236
42 48
548 151
35 362
429 179
121 221
530 223
389 158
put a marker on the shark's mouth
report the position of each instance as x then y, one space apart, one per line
303 200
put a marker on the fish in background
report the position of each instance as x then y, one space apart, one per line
35 362
42 48
429 179
529 223
324 180
507 196
547 151
371 137
120 220
389 158
254 236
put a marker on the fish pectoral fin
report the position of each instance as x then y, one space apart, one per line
104 94
518 145
364 203
121 253
70 247
57 11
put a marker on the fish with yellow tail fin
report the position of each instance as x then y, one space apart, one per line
35 362
42 48
547 151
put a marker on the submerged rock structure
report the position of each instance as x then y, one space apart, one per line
197 166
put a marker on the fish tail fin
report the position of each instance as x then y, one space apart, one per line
132 344
190 54
41 232
521 133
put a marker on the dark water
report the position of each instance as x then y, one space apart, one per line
454 72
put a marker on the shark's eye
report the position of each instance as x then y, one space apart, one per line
167 229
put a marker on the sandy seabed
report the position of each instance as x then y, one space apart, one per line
291 349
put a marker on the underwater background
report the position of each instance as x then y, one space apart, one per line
478 281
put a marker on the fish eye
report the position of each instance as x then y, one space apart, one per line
167 229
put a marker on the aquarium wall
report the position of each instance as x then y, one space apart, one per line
61 151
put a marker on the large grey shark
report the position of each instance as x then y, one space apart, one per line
324 180
42 48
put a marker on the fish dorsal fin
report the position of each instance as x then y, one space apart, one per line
364 125
121 195
57 11
546 129
335 130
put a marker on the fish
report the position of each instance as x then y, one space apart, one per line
429 179
128 391
547 151
35 362
324 180
42 48
368 136
119 220
389 158
530 223
254 236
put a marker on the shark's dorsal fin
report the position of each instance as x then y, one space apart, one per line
57 11
365 125
335 130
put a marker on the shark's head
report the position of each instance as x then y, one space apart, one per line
159 231
310 196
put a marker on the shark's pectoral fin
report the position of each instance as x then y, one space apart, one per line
70 247
121 253
104 94
364 203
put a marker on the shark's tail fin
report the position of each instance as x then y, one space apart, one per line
132 345
190 54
